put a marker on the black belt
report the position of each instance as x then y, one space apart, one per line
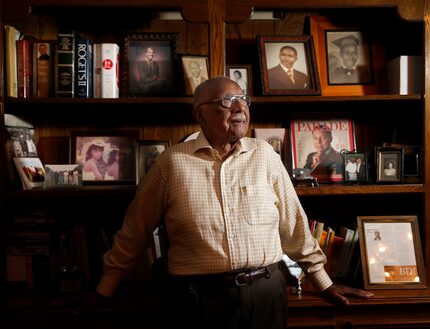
239 278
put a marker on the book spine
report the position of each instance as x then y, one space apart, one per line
97 70
84 68
65 69
11 36
24 58
42 69
110 70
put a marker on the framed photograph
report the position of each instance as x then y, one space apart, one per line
349 63
412 162
31 172
389 165
106 159
356 167
288 65
277 137
316 145
150 64
196 70
63 175
391 253
149 150
242 75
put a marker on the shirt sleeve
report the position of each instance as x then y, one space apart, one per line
296 238
142 217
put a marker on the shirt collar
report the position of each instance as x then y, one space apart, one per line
245 144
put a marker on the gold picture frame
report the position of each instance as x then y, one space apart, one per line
391 253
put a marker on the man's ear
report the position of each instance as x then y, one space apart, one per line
198 116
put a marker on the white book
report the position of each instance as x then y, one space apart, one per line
405 75
11 35
97 70
31 171
110 70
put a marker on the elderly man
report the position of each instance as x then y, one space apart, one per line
231 212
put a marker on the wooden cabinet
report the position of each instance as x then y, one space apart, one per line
224 31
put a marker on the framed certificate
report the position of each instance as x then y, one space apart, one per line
391 253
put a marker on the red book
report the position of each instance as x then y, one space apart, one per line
24 65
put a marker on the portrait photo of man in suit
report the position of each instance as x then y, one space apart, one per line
284 75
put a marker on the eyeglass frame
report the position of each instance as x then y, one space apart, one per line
232 98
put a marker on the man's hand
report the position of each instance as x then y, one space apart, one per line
339 293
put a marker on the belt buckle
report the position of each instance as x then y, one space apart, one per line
237 278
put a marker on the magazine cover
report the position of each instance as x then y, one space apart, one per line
317 145
31 172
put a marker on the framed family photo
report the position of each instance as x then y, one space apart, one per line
389 165
316 145
288 65
150 64
196 71
391 253
242 75
276 137
106 159
356 167
148 152
349 61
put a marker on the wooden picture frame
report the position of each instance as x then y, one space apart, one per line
195 71
329 38
115 163
148 151
157 79
297 51
242 75
389 164
391 253
316 144
356 168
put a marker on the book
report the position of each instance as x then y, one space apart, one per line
11 36
43 69
24 68
31 171
405 75
84 68
65 65
97 70
109 70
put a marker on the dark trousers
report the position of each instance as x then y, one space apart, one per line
211 303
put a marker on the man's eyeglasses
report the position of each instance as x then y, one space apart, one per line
228 101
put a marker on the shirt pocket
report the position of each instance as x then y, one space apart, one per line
258 205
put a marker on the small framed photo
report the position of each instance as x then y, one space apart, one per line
316 145
63 175
347 59
356 167
288 65
389 165
150 64
196 71
242 75
106 159
149 150
276 137
391 253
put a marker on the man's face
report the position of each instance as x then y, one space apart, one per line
321 139
195 69
219 124
150 54
42 49
287 57
349 55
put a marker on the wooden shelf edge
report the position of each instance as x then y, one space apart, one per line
324 190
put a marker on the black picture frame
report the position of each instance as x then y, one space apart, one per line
356 167
242 75
389 164
148 151
121 144
275 80
163 80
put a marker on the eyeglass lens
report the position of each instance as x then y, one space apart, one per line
228 101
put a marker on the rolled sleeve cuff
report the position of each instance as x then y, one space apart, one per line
320 280
108 285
